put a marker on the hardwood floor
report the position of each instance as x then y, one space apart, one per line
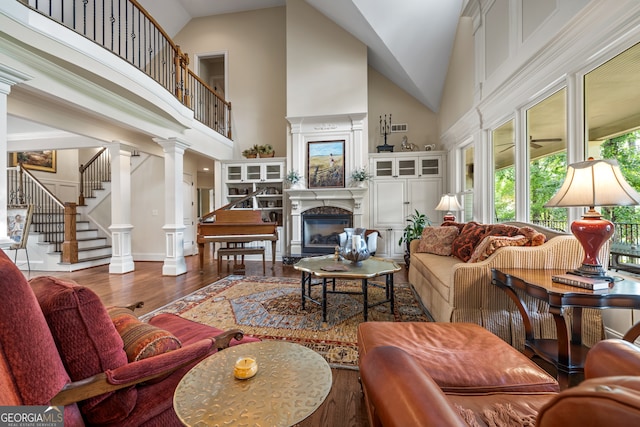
343 407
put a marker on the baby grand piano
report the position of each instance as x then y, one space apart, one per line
236 226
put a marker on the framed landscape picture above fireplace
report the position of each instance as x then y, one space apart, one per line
326 164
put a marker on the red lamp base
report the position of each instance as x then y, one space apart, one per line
592 232
449 217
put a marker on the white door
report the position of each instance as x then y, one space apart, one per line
424 195
188 214
389 209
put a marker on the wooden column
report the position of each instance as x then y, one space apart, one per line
70 244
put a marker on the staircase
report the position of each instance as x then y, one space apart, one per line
46 233
93 248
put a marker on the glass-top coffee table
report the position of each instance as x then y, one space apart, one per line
291 383
327 267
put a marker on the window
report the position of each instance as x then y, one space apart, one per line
612 115
468 154
547 145
504 172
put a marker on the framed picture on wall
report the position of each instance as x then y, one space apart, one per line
325 160
37 160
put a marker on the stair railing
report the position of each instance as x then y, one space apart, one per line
51 217
93 174
125 28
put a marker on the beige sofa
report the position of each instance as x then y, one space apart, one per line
455 291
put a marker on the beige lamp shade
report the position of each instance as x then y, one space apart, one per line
449 203
594 183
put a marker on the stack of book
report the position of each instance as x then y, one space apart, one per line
581 281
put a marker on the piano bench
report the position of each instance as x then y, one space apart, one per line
228 252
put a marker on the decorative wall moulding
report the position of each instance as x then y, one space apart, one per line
325 126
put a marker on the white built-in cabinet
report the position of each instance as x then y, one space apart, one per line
243 177
402 183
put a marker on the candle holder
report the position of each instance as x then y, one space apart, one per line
385 129
245 368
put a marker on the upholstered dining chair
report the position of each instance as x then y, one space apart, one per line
60 346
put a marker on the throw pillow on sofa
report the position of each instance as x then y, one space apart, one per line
141 340
490 244
503 230
534 238
437 240
464 245
87 341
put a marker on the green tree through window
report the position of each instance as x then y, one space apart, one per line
546 176
625 150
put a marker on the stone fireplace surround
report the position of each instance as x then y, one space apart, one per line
347 127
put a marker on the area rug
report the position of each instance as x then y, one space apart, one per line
270 308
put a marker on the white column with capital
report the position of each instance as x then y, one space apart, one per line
121 257
8 78
174 262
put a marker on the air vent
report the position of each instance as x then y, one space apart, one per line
400 127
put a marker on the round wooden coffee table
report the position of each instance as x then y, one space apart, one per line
291 383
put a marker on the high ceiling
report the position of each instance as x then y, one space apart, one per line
409 41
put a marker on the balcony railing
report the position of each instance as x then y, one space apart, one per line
126 29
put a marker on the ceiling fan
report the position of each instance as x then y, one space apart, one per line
533 143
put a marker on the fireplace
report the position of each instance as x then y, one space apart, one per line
321 227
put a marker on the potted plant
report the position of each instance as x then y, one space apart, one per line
266 150
294 179
417 223
251 153
359 176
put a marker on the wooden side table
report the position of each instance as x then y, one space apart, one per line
567 353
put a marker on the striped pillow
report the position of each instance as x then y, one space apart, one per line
141 340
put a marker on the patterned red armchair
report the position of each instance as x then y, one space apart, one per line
59 346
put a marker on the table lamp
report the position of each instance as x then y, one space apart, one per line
449 203
588 184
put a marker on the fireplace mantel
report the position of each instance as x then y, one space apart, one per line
327 197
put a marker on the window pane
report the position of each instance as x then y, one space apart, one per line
546 129
613 121
467 190
505 183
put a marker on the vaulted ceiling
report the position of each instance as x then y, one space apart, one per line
408 41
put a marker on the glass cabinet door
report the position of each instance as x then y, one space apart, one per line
253 172
273 172
234 173
383 167
429 167
407 167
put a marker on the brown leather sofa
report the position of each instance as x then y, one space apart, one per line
458 374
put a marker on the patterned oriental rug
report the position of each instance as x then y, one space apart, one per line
270 308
